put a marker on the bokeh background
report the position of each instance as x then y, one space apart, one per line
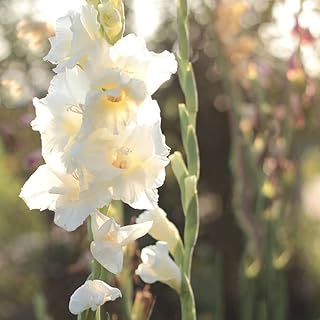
257 65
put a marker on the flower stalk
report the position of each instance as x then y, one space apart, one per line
187 174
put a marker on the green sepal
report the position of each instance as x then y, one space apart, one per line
180 171
187 299
179 253
193 152
191 228
183 8
83 315
105 275
91 315
183 35
96 269
98 313
182 67
190 90
184 123
93 2
190 187
179 168
112 19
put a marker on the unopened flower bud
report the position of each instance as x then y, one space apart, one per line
158 266
162 228
112 19
93 2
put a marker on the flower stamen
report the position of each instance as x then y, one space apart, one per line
121 159
114 95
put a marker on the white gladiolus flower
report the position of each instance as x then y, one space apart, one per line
60 192
91 295
113 102
158 266
162 228
109 238
76 35
122 78
59 114
131 56
130 165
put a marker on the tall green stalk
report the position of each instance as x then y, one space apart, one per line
187 174
262 285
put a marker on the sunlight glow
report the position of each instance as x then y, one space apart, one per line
50 11
147 14
45 10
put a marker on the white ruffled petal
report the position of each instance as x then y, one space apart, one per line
131 54
162 66
148 199
91 295
89 19
61 42
97 220
71 214
59 115
36 191
135 231
109 255
148 113
77 84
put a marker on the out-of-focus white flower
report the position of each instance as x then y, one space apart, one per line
311 196
162 228
15 86
59 114
296 25
130 165
34 33
91 295
76 35
109 238
158 266
60 192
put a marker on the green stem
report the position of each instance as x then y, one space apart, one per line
189 193
188 308
98 314
191 234
91 315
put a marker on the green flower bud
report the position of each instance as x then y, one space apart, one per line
111 16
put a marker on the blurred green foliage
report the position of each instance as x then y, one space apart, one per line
19 233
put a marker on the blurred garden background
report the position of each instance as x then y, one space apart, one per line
257 65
